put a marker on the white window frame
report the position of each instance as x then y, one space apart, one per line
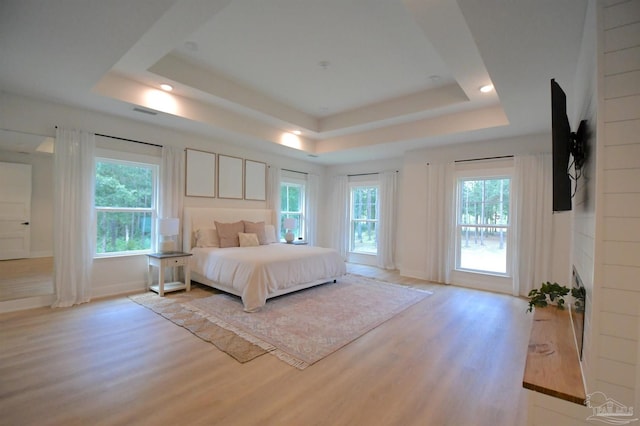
359 256
483 279
294 179
133 159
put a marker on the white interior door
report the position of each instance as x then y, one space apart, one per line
15 210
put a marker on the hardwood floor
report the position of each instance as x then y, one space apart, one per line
455 358
22 278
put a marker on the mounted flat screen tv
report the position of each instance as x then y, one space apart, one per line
565 145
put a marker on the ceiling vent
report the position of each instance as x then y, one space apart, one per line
145 111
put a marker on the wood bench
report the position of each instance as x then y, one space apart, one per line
553 363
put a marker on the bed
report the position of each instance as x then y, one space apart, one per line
256 272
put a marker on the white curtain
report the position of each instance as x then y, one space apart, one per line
440 225
311 207
273 196
387 220
532 222
340 215
73 217
172 186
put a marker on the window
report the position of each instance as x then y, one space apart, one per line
483 225
364 219
125 203
292 206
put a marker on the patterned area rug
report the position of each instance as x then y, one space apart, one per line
303 327
171 307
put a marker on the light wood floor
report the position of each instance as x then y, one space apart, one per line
21 278
455 358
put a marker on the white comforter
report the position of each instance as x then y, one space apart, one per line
256 273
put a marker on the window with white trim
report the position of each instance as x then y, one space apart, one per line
483 224
292 203
125 206
363 234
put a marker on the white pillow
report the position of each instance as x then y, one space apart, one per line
248 240
207 237
270 234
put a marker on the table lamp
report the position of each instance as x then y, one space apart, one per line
168 228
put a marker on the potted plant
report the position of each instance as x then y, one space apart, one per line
554 293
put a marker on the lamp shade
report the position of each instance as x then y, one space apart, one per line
168 226
289 223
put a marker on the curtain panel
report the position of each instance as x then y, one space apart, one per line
171 193
273 196
73 218
440 219
340 215
533 222
311 208
387 223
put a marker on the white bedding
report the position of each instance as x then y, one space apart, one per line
257 273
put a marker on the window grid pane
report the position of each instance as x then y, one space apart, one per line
291 206
483 224
364 218
125 205
123 185
123 231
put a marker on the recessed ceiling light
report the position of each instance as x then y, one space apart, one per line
166 87
486 88
297 132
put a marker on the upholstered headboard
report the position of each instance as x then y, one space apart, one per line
195 218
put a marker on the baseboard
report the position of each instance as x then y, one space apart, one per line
118 289
40 253
412 274
26 303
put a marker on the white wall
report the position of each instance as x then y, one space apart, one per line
617 237
606 226
414 204
125 274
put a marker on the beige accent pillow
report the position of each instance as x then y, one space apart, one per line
258 229
207 238
248 240
270 234
228 233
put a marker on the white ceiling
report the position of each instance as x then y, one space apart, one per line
361 79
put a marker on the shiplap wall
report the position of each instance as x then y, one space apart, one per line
618 230
606 247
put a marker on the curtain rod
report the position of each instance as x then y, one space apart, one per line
127 140
485 158
367 174
295 171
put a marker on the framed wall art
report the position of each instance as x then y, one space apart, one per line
200 179
230 177
255 183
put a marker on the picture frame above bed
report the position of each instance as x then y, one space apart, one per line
255 180
200 171
230 177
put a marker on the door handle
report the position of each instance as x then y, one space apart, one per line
24 223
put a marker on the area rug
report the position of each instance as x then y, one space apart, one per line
303 327
171 307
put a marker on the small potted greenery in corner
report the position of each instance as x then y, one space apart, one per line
554 293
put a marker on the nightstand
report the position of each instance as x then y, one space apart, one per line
165 260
